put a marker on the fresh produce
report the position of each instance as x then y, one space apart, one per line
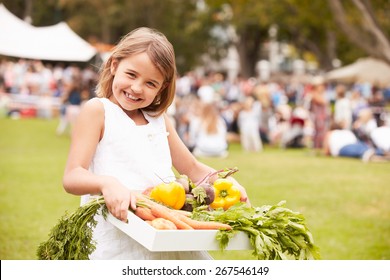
161 211
163 224
190 203
185 182
181 219
202 192
71 237
195 224
226 194
144 213
171 194
275 232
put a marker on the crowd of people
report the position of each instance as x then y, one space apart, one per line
286 115
210 111
57 89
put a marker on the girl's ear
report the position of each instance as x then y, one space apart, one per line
113 66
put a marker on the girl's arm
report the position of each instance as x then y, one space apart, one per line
77 179
185 162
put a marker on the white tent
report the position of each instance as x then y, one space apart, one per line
57 42
364 70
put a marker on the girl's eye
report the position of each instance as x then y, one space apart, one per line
131 75
151 84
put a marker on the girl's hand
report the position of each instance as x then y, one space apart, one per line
118 198
244 196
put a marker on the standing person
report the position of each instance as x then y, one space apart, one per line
123 142
249 125
70 106
342 108
320 112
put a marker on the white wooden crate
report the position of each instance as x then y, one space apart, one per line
175 240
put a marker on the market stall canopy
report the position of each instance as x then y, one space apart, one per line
57 42
364 70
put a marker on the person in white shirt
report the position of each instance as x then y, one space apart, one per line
342 108
206 92
344 143
380 136
249 125
208 133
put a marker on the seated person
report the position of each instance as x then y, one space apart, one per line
208 133
344 143
380 137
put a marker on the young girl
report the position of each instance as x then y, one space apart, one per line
123 142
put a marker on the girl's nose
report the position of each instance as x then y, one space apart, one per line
136 87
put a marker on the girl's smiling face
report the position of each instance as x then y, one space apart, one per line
136 82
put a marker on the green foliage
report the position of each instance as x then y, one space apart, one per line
183 25
71 238
308 25
275 232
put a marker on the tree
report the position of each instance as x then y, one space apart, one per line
107 20
179 20
361 25
251 22
310 27
342 30
297 23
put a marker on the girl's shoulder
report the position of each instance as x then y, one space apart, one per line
94 103
93 107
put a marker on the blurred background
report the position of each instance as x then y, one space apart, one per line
292 36
280 75
240 48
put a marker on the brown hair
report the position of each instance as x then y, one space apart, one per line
210 118
160 52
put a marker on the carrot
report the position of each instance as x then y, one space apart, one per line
144 213
203 224
182 212
161 211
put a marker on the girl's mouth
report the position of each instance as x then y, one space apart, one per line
132 97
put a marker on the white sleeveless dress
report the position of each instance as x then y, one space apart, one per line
139 157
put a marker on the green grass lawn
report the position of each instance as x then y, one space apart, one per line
346 202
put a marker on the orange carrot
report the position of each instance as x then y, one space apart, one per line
161 211
203 224
144 213
182 212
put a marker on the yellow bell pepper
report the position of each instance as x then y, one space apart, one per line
171 194
226 194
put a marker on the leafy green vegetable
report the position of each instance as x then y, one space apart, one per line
275 232
200 195
71 237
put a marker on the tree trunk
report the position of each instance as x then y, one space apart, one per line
248 47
